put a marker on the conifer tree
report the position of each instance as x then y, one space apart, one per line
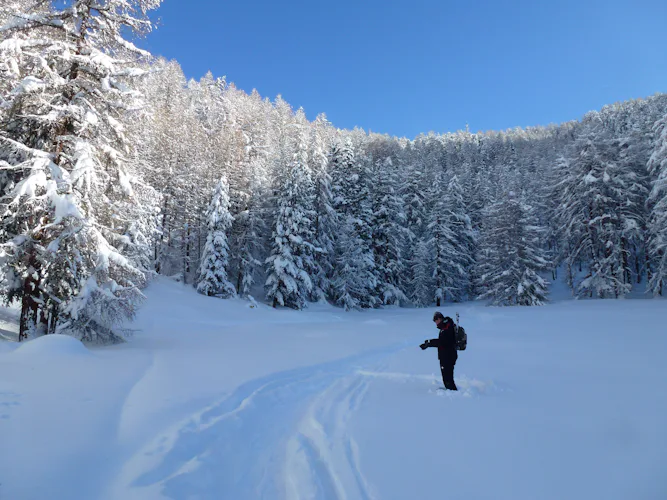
291 263
511 259
388 233
65 142
658 218
353 281
590 213
214 269
325 215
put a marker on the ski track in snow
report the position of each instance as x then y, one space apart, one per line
322 454
280 436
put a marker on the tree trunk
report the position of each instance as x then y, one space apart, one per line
186 257
627 273
24 322
53 320
199 226
160 241
638 269
31 292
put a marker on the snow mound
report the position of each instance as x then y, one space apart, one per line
6 346
53 345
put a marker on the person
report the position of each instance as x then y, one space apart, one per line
446 344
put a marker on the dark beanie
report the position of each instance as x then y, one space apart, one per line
437 315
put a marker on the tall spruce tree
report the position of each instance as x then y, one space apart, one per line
422 276
451 240
511 259
325 215
590 213
658 217
66 146
214 269
291 263
353 284
460 244
388 232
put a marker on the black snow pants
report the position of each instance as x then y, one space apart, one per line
447 369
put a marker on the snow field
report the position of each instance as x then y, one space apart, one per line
214 399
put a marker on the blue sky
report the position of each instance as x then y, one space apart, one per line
405 67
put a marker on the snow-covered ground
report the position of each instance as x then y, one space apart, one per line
214 399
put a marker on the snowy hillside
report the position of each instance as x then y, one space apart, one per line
214 399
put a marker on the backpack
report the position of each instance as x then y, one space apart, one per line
460 336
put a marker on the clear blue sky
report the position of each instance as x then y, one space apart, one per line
405 67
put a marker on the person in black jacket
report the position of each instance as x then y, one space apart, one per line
446 344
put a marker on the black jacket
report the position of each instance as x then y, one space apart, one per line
446 341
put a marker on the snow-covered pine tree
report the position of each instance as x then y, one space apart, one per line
213 271
461 246
353 284
511 255
450 239
388 232
561 236
422 282
249 229
658 217
631 192
412 191
475 180
325 218
237 151
135 218
590 213
361 209
291 263
472 177
175 148
142 205
199 169
65 144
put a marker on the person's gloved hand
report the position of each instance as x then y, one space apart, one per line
423 346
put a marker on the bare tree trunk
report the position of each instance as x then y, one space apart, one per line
24 322
187 252
31 292
160 241
238 281
53 320
627 274
199 231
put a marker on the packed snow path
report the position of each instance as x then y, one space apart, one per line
283 433
216 399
